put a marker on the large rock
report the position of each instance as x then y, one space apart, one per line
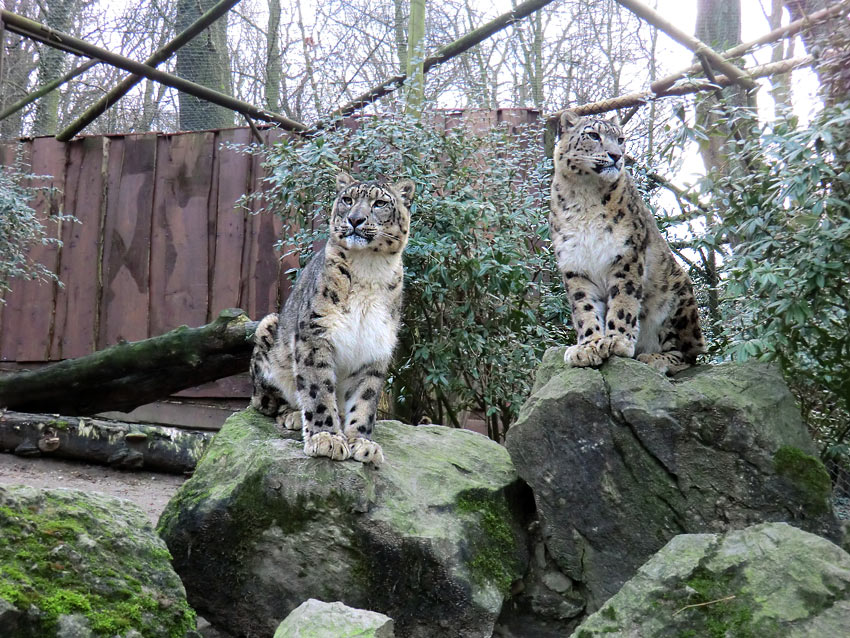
766 581
317 619
79 564
428 539
621 459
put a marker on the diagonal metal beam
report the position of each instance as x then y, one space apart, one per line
158 56
44 34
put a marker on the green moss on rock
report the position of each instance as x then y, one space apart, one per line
808 474
64 552
766 581
262 523
494 553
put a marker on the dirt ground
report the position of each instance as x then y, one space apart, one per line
149 490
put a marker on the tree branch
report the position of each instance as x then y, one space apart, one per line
47 88
443 55
160 55
659 86
699 47
128 375
44 34
685 88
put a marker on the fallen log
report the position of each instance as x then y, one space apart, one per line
125 376
125 445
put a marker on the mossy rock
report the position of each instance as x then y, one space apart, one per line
84 564
433 538
624 457
766 581
317 619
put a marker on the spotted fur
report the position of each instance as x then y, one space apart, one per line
629 295
320 365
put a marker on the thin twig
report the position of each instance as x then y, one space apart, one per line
710 602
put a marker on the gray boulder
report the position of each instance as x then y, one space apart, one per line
766 581
621 459
80 564
316 619
429 539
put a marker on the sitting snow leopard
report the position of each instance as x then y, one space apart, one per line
320 365
628 294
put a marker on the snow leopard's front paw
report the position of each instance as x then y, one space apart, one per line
366 451
333 446
583 355
618 345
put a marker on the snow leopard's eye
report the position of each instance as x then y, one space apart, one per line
621 140
381 203
347 201
594 136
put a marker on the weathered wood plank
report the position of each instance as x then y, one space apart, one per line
77 300
124 306
231 223
179 261
31 303
8 151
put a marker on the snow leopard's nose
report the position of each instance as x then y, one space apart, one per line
356 217
615 157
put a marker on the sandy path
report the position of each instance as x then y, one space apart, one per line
149 490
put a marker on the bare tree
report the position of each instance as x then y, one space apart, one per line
205 61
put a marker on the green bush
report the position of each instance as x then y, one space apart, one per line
20 229
786 223
481 301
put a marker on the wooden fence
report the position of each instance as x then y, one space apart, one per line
161 242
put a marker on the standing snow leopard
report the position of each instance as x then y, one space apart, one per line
628 294
320 365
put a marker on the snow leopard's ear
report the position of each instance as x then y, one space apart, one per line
615 119
568 120
407 189
343 181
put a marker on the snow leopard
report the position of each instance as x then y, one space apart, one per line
629 295
320 364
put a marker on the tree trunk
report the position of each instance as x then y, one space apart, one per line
830 42
124 445
128 375
205 61
58 15
274 65
718 25
416 58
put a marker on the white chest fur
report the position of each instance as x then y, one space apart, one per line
365 331
584 246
